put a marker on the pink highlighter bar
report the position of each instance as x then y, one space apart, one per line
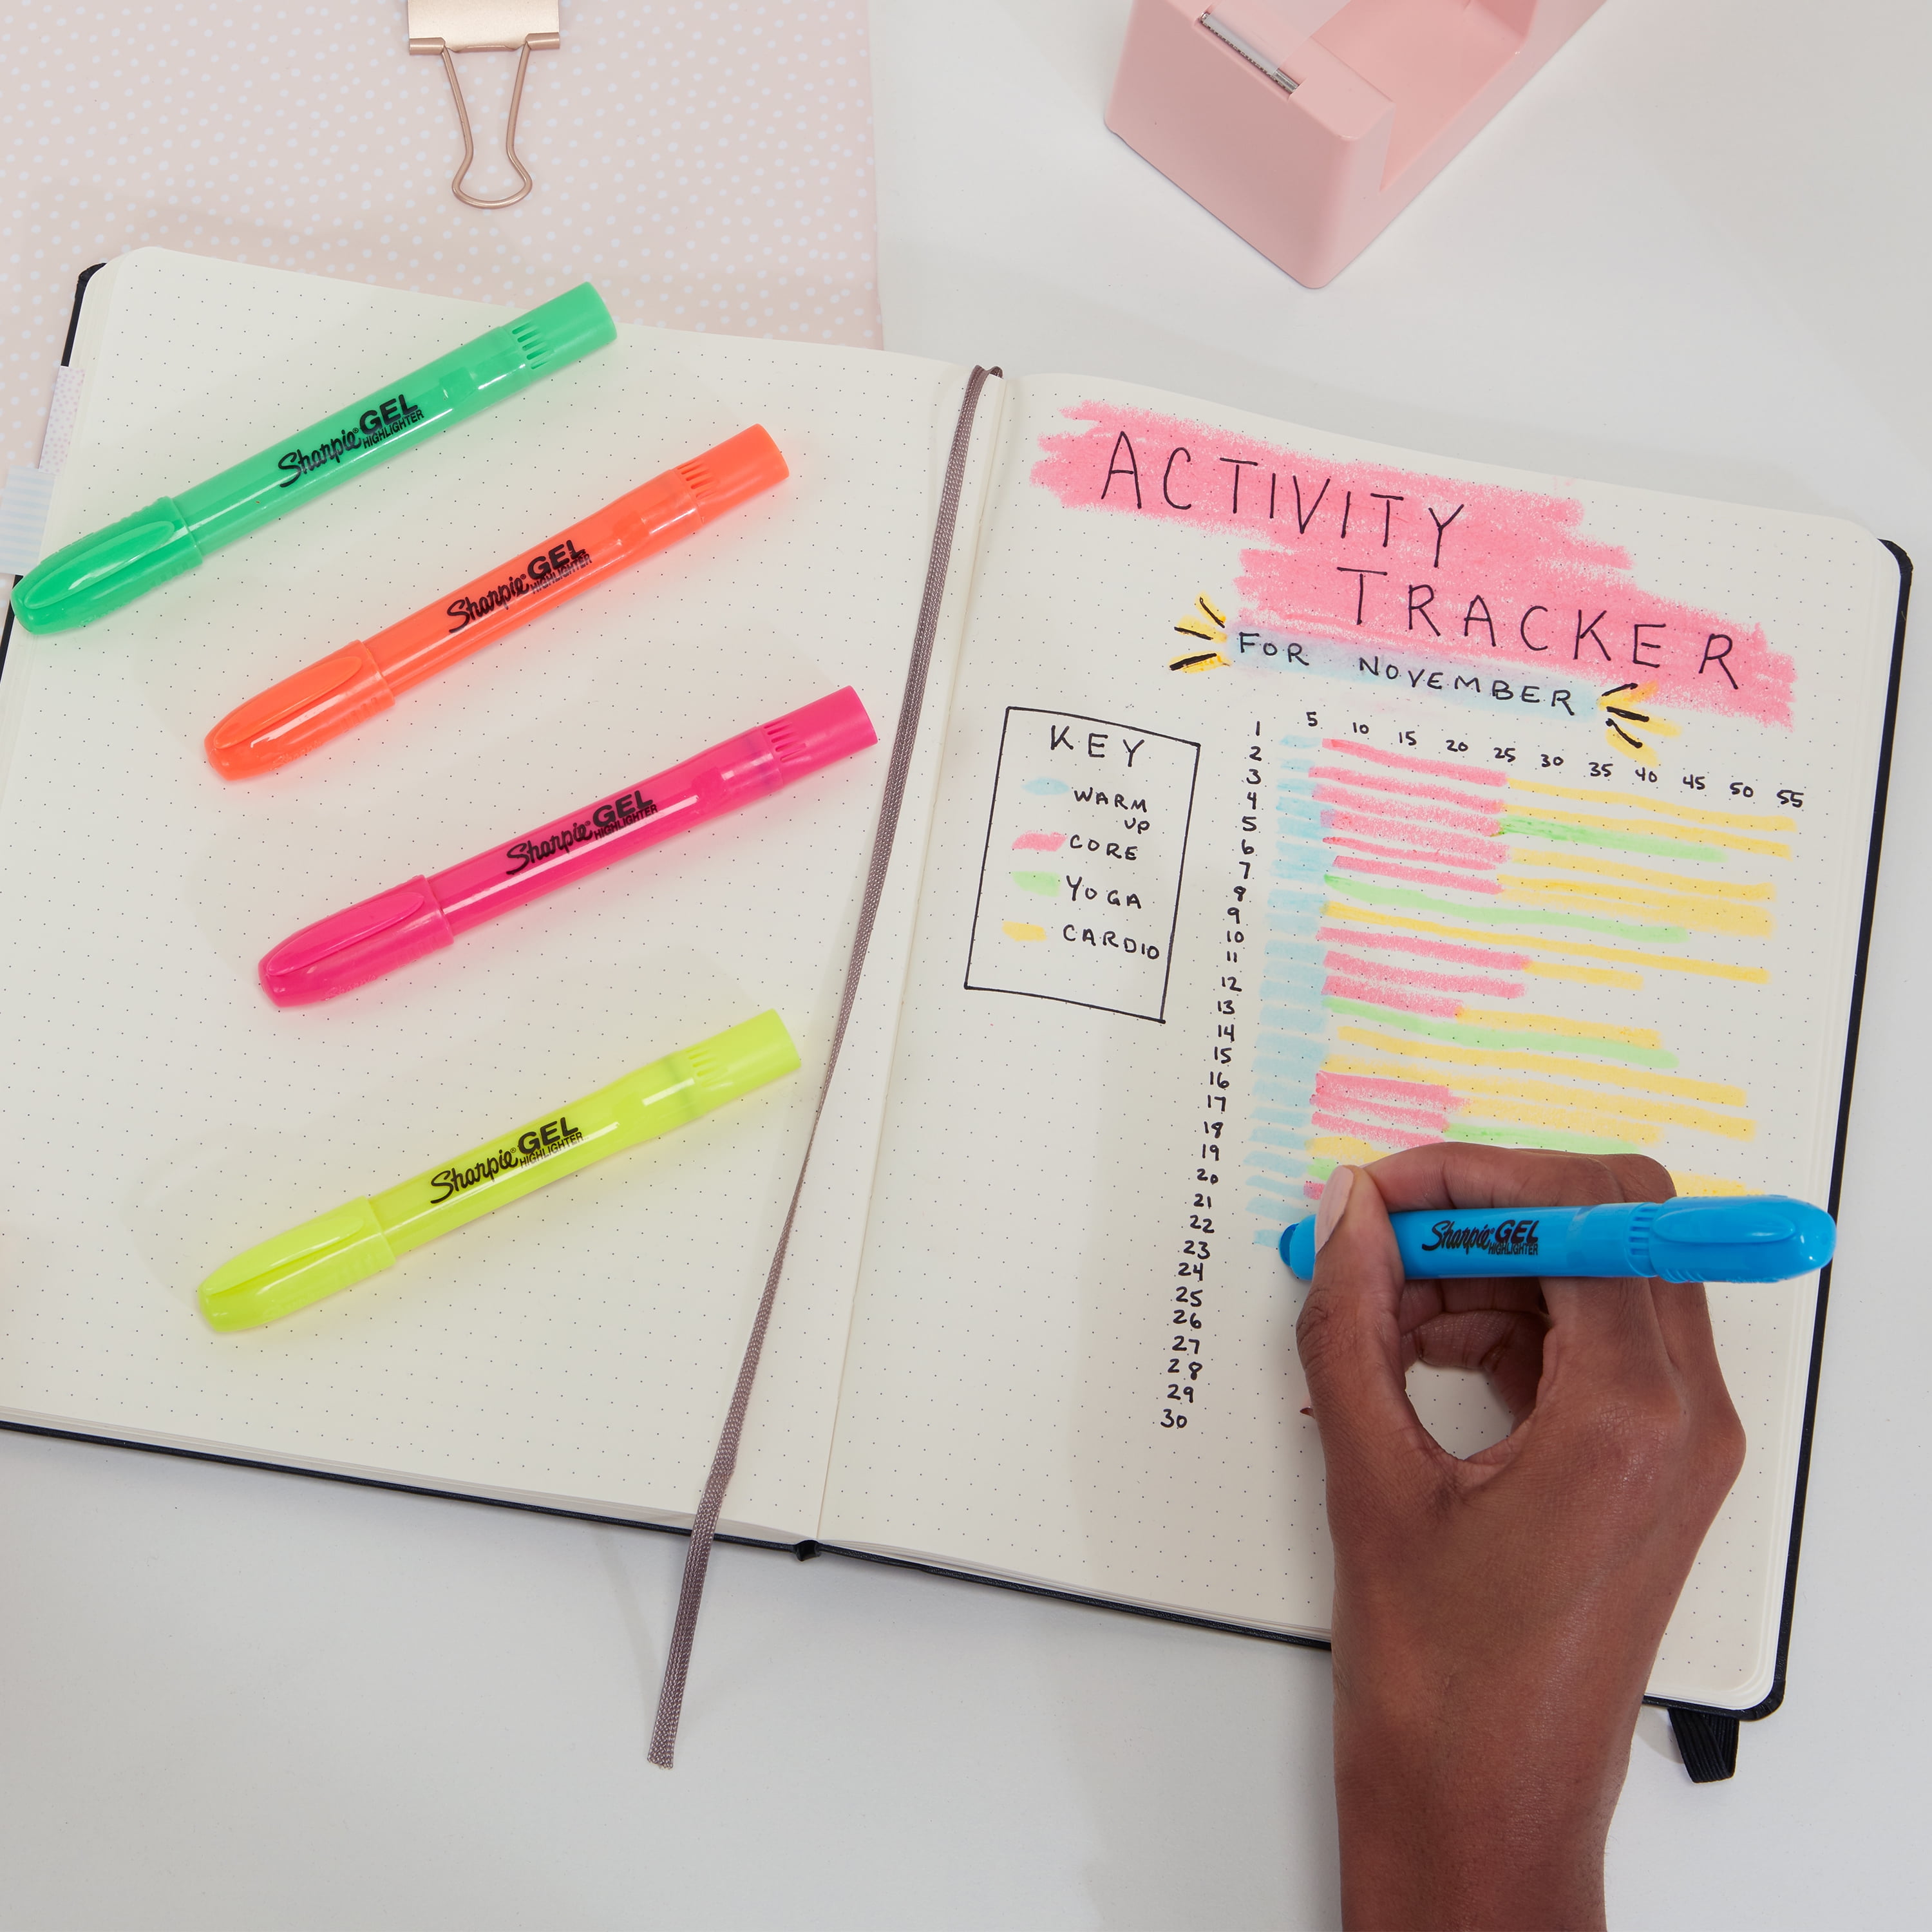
349 949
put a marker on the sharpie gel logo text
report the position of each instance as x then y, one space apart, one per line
543 572
1492 1237
375 425
613 815
531 1147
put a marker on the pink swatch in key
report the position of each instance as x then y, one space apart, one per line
1437 568
1039 841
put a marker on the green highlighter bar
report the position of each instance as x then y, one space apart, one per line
336 1250
98 573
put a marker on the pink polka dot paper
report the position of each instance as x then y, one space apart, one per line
707 163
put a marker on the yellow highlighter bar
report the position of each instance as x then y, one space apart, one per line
337 1249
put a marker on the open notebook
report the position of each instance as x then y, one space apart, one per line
1276 800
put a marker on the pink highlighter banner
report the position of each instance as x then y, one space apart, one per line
1363 553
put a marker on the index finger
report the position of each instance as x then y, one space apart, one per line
1463 1174
1609 1331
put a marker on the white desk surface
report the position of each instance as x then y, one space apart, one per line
1691 256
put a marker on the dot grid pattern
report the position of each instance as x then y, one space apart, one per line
707 163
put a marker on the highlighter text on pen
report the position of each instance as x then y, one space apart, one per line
629 808
1492 1237
377 425
534 1145
545 572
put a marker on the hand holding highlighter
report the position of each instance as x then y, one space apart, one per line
1476 1595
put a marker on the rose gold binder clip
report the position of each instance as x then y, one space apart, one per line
451 27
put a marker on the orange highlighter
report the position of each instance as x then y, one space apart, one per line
363 678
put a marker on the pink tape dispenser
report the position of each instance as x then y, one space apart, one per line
1308 125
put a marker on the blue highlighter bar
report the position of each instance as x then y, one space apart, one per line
1752 1238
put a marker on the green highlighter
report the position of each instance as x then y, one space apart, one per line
97 574
336 1250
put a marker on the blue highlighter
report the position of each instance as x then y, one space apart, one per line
1749 1237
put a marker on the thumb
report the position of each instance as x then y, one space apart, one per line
1349 1336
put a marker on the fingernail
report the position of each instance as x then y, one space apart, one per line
1334 1199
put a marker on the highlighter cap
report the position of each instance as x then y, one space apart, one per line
299 713
503 360
349 948
738 468
819 734
563 329
105 569
1761 1237
322 1257
734 1062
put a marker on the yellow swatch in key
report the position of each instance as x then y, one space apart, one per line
1019 928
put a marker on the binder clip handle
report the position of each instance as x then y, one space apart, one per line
452 27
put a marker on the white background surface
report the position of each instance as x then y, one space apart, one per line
1691 256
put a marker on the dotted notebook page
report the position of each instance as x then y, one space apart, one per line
1304 801
580 1344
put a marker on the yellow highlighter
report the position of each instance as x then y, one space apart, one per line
337 1249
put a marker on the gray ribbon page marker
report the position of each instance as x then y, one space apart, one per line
704 1526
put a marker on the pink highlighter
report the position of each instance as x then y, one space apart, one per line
349 948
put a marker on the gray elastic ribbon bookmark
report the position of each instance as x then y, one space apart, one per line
704 1524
